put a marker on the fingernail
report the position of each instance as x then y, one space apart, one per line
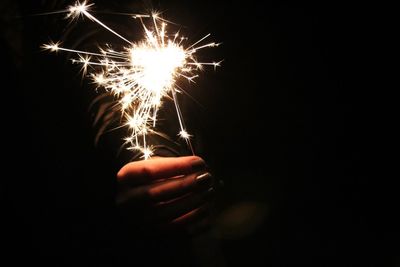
210 193
198 165
204 179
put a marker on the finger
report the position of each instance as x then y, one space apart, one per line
192 217
164 212
166 190
178 187
169 211
145 171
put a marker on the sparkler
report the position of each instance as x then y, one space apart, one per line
142 74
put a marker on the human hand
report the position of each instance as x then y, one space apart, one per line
170 192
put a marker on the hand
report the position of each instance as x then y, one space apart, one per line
163 193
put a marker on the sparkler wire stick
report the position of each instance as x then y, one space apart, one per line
142 74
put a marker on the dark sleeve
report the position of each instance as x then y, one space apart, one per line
58 186
60 194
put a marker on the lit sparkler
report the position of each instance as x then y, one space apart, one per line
142 74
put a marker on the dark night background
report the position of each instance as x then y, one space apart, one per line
290 122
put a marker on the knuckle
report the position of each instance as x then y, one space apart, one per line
147 171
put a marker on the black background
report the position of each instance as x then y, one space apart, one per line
291 122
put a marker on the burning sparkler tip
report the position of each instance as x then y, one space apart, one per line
142 74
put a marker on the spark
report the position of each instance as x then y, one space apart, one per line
142 74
